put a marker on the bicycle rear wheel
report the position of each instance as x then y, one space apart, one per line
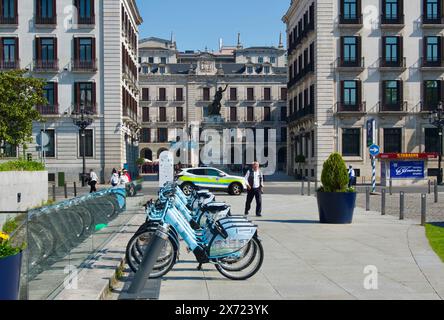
246 267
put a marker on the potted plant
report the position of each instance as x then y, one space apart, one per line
10 268
336 202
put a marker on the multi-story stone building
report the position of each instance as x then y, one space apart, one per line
354 61
87 51
177 87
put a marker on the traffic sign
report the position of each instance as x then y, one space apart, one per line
42 139
374 150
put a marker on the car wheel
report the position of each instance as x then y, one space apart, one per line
235 189
187 188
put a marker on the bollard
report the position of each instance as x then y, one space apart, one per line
390 186
367 199
65 189
401 205
53 193
430 186
309 187
423 208
435 190
75 189
302 188
150 256
383 202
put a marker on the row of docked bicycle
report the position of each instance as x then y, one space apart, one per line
208 229
51 232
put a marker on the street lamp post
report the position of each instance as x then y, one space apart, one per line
82 120
437 119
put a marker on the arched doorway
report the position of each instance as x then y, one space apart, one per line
147 154
160 151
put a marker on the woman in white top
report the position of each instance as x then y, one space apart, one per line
93 179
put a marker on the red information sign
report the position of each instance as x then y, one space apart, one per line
408 156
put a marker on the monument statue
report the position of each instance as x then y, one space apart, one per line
214 108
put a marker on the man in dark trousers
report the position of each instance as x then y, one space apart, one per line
255 185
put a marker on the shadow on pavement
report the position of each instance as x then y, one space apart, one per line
291 221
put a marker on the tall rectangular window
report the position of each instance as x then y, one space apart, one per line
8 12
267 114
84 53
9 48
351 142
162 114
283 113
267 94
145 114
250 94
85 96
392 95
50 148
432 10
206 94
350 93
145 136
85 49
392 11
432 94
9 150
392 140
85 11
233 114
431 136
145 94
49 93
89 143
350 50
392 50
179 94
283 134
250 113
432 48
47 49
162 135
350 9
283 96
162 94
233 94
179 114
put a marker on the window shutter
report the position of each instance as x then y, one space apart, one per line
383 86
424 94
39 8
38 48
441 90
92 9
358 50
55 48
1 48
17 49
441 49
400 9
54 8
424 50
383 12
384 49
359 92
342 90
16 8
424 9
358 9
400 93
76 48
56 93
94 96
342 49
77 94
93 42
401 50
342 6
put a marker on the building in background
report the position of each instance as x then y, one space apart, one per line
87 51
351 62
177 87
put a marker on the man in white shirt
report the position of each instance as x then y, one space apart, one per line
351 176
255 184
93 179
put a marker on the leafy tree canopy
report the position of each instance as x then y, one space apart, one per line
18 97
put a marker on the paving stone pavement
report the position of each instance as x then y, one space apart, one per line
307 260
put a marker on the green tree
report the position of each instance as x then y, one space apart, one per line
334 174
18 97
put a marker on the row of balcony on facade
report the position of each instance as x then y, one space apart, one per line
392 14
45 15
303 28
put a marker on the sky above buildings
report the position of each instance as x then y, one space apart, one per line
198 24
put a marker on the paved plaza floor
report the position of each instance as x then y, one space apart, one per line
308 260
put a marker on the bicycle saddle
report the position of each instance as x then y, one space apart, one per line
214 207
203 191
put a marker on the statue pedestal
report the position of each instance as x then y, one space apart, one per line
213 120
213 127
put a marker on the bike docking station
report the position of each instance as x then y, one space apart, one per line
207 228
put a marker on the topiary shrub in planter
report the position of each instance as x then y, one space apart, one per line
336 202
10 268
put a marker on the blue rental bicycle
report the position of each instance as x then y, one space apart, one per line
229 242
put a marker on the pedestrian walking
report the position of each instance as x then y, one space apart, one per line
123 178
351 177
93 180
115 179
255 184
